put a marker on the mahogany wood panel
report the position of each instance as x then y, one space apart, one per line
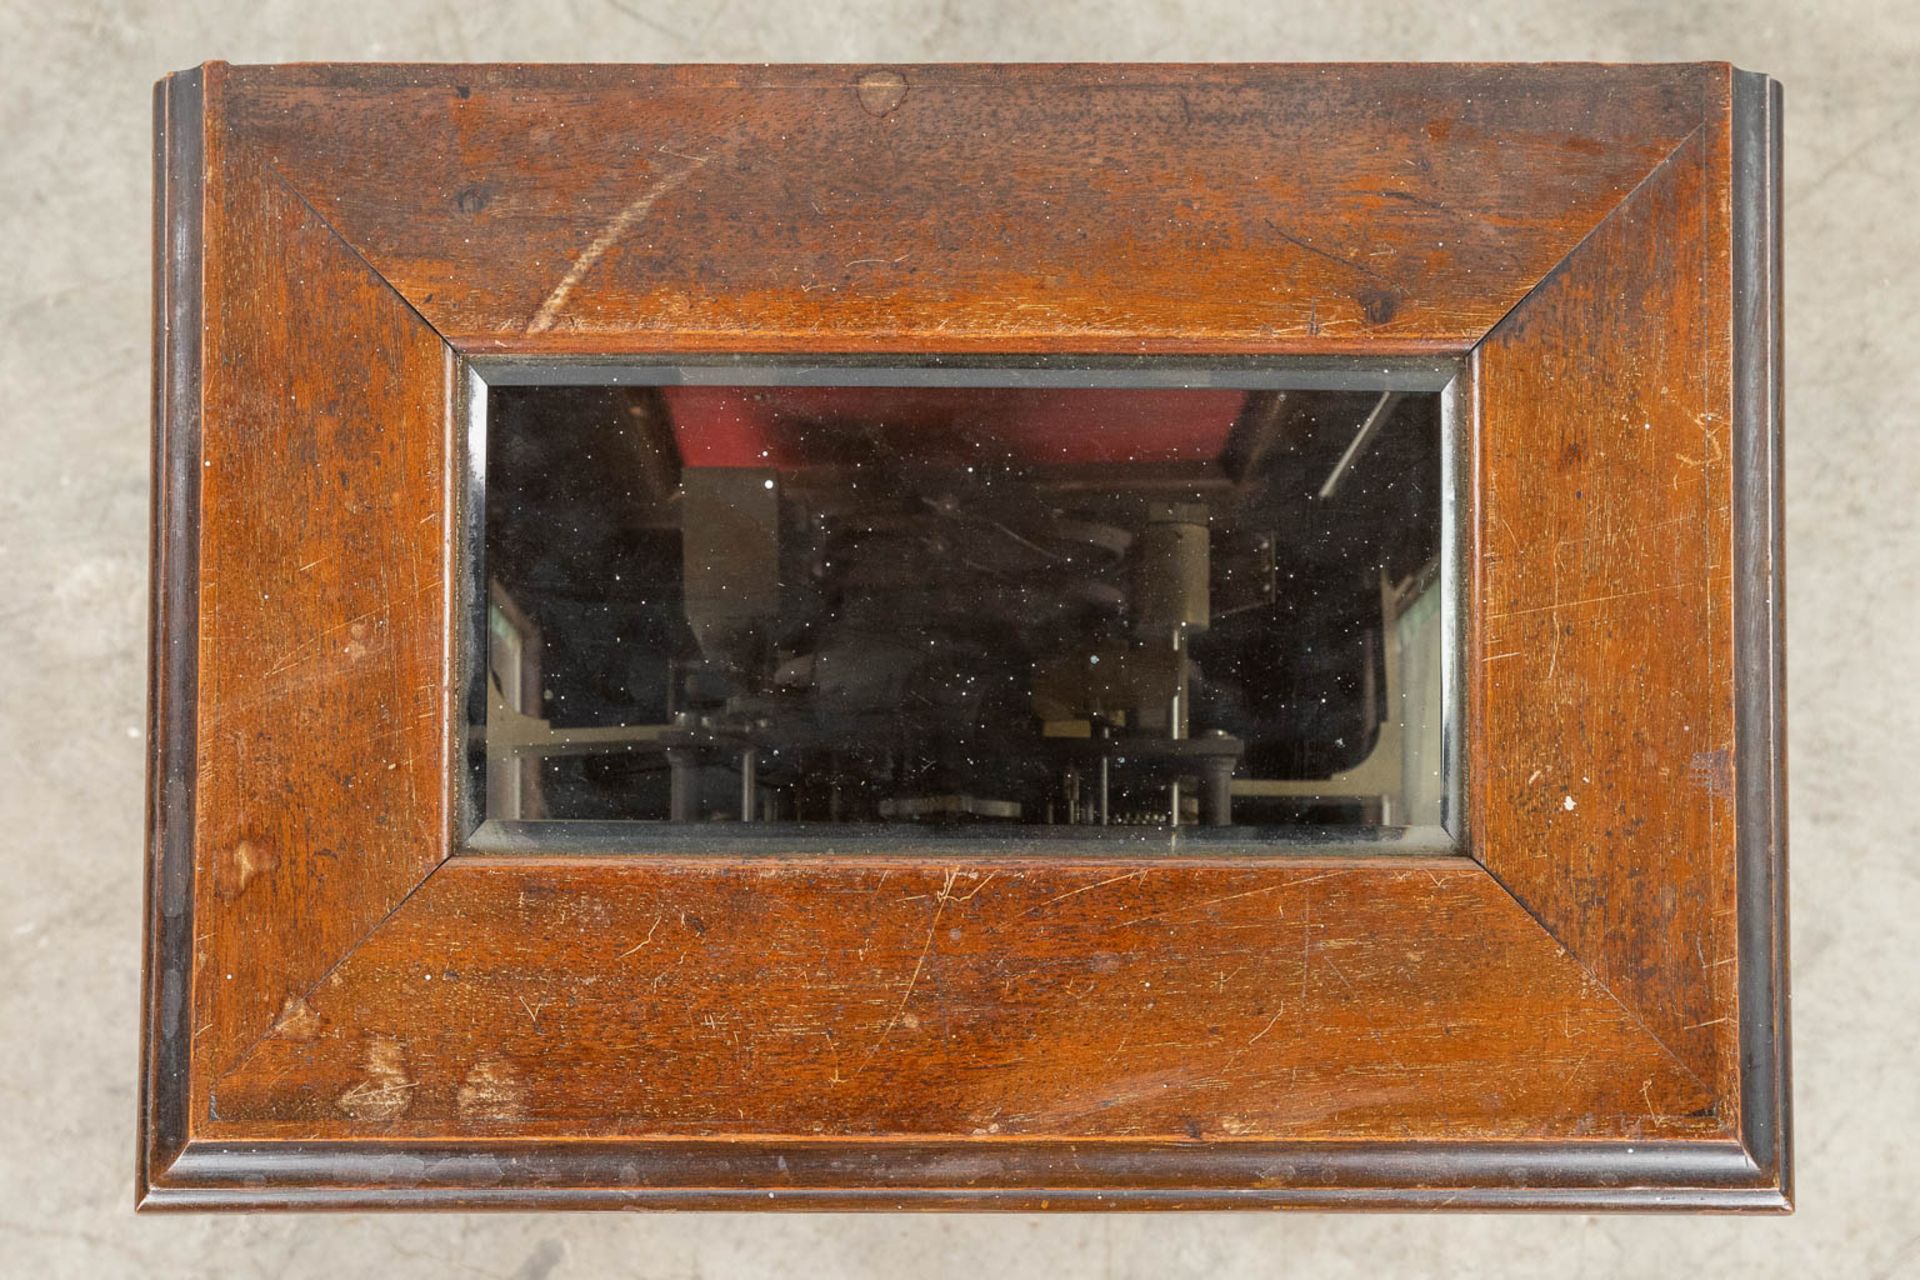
631 998
957 208
1586 1010
323 685
1605 747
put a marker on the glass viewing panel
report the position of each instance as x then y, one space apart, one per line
880 608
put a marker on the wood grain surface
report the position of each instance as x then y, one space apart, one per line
323 580
965 208
1605 734
1022 1000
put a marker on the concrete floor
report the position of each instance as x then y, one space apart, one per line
73 573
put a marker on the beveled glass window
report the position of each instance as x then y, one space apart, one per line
843 603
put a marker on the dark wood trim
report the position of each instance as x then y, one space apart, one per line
173 621
1083 1176
1760 768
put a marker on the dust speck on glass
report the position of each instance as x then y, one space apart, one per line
1098 613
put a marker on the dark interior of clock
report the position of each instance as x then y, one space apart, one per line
962 606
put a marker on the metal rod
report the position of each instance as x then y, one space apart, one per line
684 774
1105 770
1369 427
749 782
1217 800
1177 712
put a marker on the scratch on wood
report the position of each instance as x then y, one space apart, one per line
948 895
1574 604
1306 948
1231 897
1696 1026
913 979
1270 1024
641 945
1373 1031
621 223
1087 888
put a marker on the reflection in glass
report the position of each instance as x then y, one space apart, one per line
959 606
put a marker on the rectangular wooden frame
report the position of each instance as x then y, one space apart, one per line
1587 1011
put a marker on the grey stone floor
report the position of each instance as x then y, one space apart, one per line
73 524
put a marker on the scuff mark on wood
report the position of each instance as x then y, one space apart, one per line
1711 772
881 90
238 865
492 1091
387 1091
297 1020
